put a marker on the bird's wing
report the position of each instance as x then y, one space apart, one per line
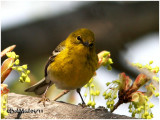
57 50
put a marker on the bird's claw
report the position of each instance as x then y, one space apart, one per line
83 105
44 99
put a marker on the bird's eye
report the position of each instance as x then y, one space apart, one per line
79 38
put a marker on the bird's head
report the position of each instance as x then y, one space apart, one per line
82 38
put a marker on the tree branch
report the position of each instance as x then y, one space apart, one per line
54 110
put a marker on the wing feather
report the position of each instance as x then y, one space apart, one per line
57 50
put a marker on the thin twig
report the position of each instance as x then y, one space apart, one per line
61 94
116 105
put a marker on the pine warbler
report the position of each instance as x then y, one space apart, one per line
71 65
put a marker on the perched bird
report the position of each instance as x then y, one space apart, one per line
71 65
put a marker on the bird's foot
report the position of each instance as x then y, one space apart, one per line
83 105
44 99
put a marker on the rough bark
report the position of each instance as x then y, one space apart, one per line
54 110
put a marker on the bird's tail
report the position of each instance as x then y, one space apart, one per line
39 88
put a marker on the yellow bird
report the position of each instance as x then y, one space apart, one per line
71 65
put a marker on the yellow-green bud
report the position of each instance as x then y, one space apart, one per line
149 117
24 75
104 94
27 79
92 85
17 56
106 97
91 80
28 71
109 94
150 62
94 93
156 94
20 69
133 114
117 81
108 83
112 102
155 78
115 96
13 54
4 102
106 53
84 86
109 67
139 65
111 107
142 107
14 68
151 105
149 68
146 98
3 106
21 78
97 92
146 113
130 106
24 66
157 69
110 61
93 104
8 54
85 94
89 103
108 103
91 92
4 113
139 110
17 62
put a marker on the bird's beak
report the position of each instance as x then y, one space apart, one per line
88 44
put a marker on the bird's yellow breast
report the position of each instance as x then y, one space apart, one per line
72 69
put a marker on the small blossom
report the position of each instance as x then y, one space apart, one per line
93 104
157 94
108 83
17 62
109 67
27 79
92 85
89 103
24 75
28 71
115 96
20 69
151 105
93 92
97 92
104 94
150 62
24 66
110 61
104 59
